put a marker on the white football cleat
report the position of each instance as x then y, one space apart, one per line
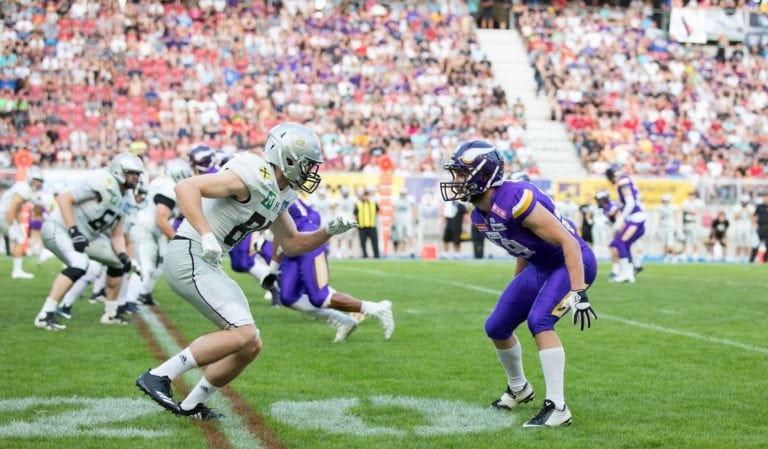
510 399
343 331
22 275
386 319
550 416
49 322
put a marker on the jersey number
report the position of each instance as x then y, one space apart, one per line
516 249
255 223
107 219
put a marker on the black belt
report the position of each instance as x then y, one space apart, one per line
179 237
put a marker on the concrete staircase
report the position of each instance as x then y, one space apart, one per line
549 141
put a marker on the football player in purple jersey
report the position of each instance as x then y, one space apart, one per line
305 285
554 269
630 226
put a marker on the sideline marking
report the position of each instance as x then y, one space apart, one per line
653 327
233 426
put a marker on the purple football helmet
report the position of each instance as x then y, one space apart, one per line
612 172
202 158
475 167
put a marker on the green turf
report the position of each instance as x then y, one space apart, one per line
678 360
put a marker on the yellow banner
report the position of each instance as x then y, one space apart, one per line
357 181
651 190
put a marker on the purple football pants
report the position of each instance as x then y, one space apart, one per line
534 295
629 234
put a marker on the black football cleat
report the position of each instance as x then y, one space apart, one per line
159 389
200 412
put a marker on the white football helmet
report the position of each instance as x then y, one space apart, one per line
295 150
122 165
35 174
178 170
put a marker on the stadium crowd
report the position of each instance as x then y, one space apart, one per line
81 83
631 95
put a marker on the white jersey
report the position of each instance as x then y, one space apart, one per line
742 215
99 205
568 210
21 188
162 186
232 220
691 209
403 209
346 205
667 214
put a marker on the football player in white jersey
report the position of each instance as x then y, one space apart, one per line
667 227
322 204
154 226
89 225
10 206
345 207
692 208
403 224
744 235
249 194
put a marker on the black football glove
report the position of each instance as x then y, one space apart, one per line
581 308
78 239
126 260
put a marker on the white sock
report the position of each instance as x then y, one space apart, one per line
615 269
110 308
176 365
369 308
553 366
122 295
100 283
512 361
17 265
48 306
259 271
202 391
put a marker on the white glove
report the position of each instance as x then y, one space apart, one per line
340 225
578 303
211 249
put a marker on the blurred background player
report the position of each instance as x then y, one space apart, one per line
632 227
718 244
744 233
692 208
304 285
202 159
406 217
253 256
154 226
666 228
11 202
455 215
322 203
89 224
761 223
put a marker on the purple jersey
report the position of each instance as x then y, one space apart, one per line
632 209
512 202
306 274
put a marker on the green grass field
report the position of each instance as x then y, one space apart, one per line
678 360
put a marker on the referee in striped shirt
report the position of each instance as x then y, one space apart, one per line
366 211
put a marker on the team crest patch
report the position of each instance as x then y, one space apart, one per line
265 173
498 211
300 142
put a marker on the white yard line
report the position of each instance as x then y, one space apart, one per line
641 325
233 426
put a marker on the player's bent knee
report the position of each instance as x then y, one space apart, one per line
495 332
249 338
73 273
541 323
